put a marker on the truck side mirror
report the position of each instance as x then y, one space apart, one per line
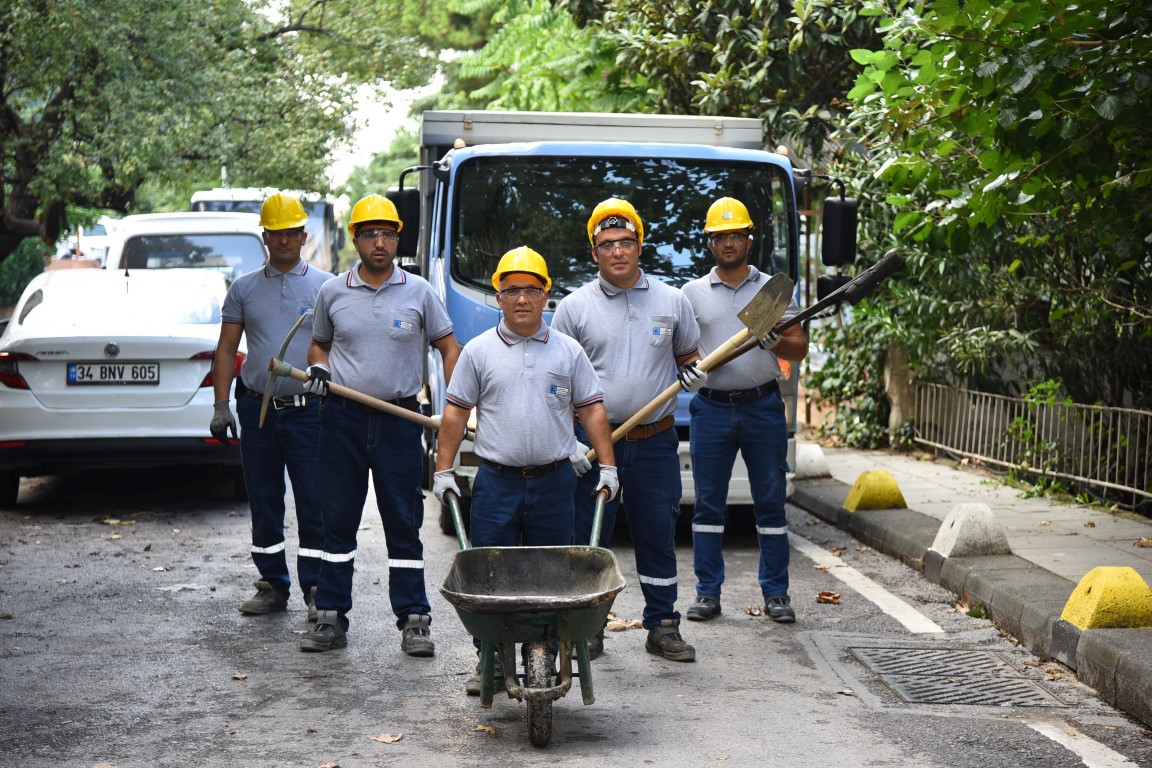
407 203
838 247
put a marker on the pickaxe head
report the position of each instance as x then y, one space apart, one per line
273 371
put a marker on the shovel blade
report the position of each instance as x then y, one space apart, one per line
764 311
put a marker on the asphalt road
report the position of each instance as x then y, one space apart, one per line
121 645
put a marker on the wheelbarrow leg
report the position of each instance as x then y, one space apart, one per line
487 673
584 670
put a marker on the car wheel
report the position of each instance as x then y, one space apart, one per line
9 489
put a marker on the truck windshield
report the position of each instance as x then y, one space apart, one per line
544 202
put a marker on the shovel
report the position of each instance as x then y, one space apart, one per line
759 316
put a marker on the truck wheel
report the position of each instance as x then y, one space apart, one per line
9 489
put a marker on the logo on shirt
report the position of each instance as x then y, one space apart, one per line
661 330
556 389
306 310
403 325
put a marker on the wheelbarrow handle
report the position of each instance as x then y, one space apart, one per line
598 517
453 502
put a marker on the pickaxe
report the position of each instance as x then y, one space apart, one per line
759 316
278 367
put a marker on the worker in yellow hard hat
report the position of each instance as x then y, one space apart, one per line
638 333
263 306
524 382
372 325
746 391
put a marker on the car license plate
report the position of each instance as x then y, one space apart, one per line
113 373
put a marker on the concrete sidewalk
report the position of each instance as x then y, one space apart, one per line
1053 547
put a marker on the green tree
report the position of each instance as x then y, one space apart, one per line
100 97
1008 157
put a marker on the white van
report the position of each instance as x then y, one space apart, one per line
231 243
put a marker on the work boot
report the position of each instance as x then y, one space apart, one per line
472 687
665 641
416 639
328 634
596 645
779 610
266 600
706 607
312 605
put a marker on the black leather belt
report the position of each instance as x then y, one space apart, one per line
738 396
410 402
645 431
280 402
539 469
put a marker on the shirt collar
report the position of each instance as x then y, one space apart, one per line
512 338
641 284
752 277
301 268
398 277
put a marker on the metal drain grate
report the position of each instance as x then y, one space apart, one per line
954 676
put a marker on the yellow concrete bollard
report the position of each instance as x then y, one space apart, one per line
876 489
1109 597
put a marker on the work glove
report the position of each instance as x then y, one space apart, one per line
444 481
318 378
437 419
580 463
609 480
692 378
770 341
222 422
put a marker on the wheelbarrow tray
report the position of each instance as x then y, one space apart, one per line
533 591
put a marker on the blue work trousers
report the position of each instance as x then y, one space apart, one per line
287 441
650 488
759 431
354 441
513 511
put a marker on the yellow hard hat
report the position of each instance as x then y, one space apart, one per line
281 211
727 214
522 259
373 208
615 212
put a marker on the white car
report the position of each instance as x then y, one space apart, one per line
229 243
92 241
102 369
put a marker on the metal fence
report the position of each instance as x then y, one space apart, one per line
1105 451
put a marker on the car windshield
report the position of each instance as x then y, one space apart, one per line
144 305
231 253
544 202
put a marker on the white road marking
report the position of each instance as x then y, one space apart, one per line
1093 753
913 620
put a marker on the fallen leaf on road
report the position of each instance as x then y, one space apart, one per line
1143 541
116 521
161 568
723 757
754 610
148 548
239 676
387 738
485 729
847 692
863 549
970 606
114 537
1089 524
1045 522
619 625
331 764
103 765
838 551
5 615
831 598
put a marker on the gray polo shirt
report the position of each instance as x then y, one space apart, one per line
378 334
523 390
632 336
268 303
716 304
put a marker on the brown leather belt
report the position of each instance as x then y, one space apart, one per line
645 431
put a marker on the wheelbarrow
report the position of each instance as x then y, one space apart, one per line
547 598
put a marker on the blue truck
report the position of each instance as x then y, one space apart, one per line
490 181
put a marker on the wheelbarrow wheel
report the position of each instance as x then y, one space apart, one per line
538 674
